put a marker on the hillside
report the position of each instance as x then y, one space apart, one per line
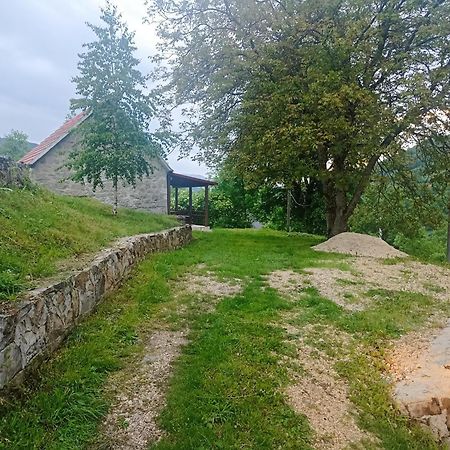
39 230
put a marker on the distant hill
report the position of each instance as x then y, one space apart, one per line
30 146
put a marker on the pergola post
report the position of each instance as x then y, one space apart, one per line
190 205
168 193
206 206
179 181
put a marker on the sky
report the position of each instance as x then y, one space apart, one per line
39 45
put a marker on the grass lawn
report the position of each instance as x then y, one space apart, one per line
40 229
227 387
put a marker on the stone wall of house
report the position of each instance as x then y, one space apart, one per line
13 174
150 194
31 329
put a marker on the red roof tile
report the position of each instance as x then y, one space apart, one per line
48 143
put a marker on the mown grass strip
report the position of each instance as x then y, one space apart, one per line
227 389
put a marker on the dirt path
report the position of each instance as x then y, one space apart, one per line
319 393
139 390
139 393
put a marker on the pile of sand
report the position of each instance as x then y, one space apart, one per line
359 245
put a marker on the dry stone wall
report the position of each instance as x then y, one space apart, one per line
33 328
13 174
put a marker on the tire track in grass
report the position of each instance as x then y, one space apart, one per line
139 389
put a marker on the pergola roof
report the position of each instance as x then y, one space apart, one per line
185 181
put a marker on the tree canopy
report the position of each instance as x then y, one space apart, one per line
115 141
15 144
289 90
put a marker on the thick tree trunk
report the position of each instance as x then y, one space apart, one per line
337 222
337 213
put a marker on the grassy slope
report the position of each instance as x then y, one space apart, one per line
225 392
38 229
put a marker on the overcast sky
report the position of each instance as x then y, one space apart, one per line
39 45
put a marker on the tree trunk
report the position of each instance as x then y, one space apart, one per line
116 199
337 222
288 211
337 217
448 232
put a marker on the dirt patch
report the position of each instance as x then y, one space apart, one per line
420 365
206 288
319 394
349 289
407 276
139 392
209 285
343 288
359 245
287 282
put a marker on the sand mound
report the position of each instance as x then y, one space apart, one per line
359 245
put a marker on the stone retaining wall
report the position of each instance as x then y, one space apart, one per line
13 174
31 329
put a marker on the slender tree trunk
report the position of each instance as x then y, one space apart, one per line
288 210
116 199
448 232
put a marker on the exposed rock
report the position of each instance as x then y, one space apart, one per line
423 383
438 425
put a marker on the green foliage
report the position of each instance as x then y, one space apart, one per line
115 142
14 144
428 245
288 90
233 205
269 206
230 202
408 207
40 229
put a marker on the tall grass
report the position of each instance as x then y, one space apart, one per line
38 229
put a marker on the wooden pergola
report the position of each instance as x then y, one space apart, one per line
178 181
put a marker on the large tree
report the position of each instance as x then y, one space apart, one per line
115 143
14 144
296 89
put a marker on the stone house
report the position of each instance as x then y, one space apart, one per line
47 167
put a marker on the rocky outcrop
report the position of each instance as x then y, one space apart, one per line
31 329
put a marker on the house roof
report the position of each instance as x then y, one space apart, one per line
36 153
180 180
48 143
